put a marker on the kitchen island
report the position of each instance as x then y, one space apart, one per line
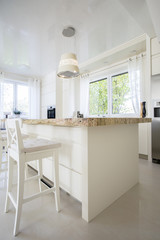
98 161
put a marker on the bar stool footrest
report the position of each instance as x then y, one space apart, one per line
25 200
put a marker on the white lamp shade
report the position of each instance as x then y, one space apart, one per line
68 66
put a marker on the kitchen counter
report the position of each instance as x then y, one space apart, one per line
86 122
97 165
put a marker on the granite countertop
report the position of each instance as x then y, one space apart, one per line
86 122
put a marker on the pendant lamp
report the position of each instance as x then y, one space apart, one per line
68 66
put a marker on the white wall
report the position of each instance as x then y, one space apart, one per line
59 98
71 97
48 93
63 93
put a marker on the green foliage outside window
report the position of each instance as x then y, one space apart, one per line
120 95
98 104
121 99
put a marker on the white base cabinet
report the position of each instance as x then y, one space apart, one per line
71 182
70 156
97 165
143 139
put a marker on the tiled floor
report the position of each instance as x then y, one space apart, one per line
135 216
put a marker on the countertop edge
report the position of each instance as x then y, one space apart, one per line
86 122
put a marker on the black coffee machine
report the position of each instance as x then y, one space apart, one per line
51 112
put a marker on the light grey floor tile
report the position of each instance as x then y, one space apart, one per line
136 215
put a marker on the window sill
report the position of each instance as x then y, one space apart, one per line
114 116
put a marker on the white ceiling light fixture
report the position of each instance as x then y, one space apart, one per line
68 66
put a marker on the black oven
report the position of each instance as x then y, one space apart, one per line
156 132
156 112
51 112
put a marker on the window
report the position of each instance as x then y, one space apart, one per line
121 95
98 100
110 96
7 96
15 96
23 99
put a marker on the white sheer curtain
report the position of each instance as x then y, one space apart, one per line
34 98
1 94
135 77
84 96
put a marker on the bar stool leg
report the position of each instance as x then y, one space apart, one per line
9 184
26 171
20 190
6 154
39 165
56 180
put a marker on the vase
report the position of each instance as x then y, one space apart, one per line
143 109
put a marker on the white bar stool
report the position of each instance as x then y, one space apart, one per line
3 147
23 151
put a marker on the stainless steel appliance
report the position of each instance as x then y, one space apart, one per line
51 112
156 132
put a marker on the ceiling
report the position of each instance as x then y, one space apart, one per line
31 40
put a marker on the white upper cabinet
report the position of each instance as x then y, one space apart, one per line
155 46
155 52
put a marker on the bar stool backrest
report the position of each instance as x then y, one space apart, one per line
14 136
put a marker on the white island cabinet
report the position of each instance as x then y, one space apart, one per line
98 160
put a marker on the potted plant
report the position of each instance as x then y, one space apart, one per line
16 113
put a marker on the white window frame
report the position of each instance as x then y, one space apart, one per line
108 75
